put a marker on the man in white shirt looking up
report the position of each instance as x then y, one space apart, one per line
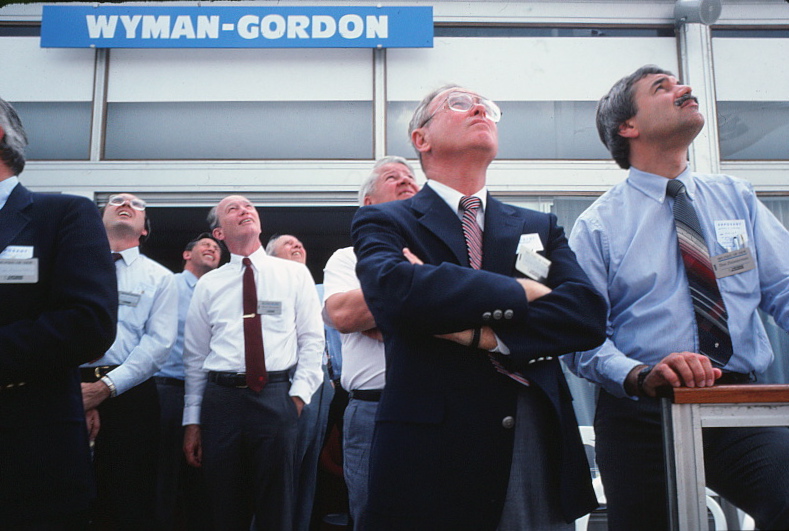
391 179
240 425
120 384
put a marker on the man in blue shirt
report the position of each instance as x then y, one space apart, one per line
628 245
200 256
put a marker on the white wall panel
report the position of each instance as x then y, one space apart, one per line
525 69
240 75
31 73
751 69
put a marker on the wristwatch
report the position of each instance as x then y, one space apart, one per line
642 375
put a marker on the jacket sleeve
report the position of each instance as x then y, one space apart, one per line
438 298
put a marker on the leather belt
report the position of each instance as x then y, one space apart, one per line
94 374
735 378
239 379
368 395
166 380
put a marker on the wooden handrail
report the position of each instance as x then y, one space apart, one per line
731 394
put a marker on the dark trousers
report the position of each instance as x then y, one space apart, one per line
125 459
747 466
249 442
181 501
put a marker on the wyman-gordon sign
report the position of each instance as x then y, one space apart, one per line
99 26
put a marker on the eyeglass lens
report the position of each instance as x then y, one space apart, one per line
136 204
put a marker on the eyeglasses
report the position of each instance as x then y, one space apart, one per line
119 200
464 102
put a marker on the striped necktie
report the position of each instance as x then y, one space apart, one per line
473 234
708 306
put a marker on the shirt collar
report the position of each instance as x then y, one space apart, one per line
6 187
257 258
190 278
129 255
654 186
452 197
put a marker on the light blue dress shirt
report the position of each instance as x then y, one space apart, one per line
174 365
147 320
627 244
6 187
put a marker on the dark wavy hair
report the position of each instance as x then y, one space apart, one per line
615 108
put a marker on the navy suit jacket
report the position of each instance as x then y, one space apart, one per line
47 329
441 454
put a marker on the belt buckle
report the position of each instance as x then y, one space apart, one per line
97 372
244 385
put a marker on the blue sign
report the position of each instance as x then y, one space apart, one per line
100 26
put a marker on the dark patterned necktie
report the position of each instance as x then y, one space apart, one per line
254 357
473 234
470 205
708 306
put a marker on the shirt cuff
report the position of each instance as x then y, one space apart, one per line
500 347
191 415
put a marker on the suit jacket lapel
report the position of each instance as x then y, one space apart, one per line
13 216
436 216
500 238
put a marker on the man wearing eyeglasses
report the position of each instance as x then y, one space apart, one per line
475 428
119 385
58 305
177 482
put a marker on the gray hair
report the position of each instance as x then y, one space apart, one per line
12 146
213 218
271 246
370 183
421 115
615 108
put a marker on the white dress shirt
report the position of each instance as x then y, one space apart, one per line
363 361
147 320
290 319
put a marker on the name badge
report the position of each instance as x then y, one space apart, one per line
733 263
533 265
731 234
530 242
127 298
17 252
19 271
270 307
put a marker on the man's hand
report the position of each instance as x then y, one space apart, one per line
94 394
193 446
299 403
678 369
487 339
533 289
93 422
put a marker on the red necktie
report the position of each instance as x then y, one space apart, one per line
254 358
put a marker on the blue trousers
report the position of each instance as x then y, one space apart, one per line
747 466
249 444
359 423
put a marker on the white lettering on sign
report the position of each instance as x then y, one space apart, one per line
248 27
323 27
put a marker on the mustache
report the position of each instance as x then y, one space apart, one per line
685 97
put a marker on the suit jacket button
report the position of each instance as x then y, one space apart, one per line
486 316
497 314
508 314
508 422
